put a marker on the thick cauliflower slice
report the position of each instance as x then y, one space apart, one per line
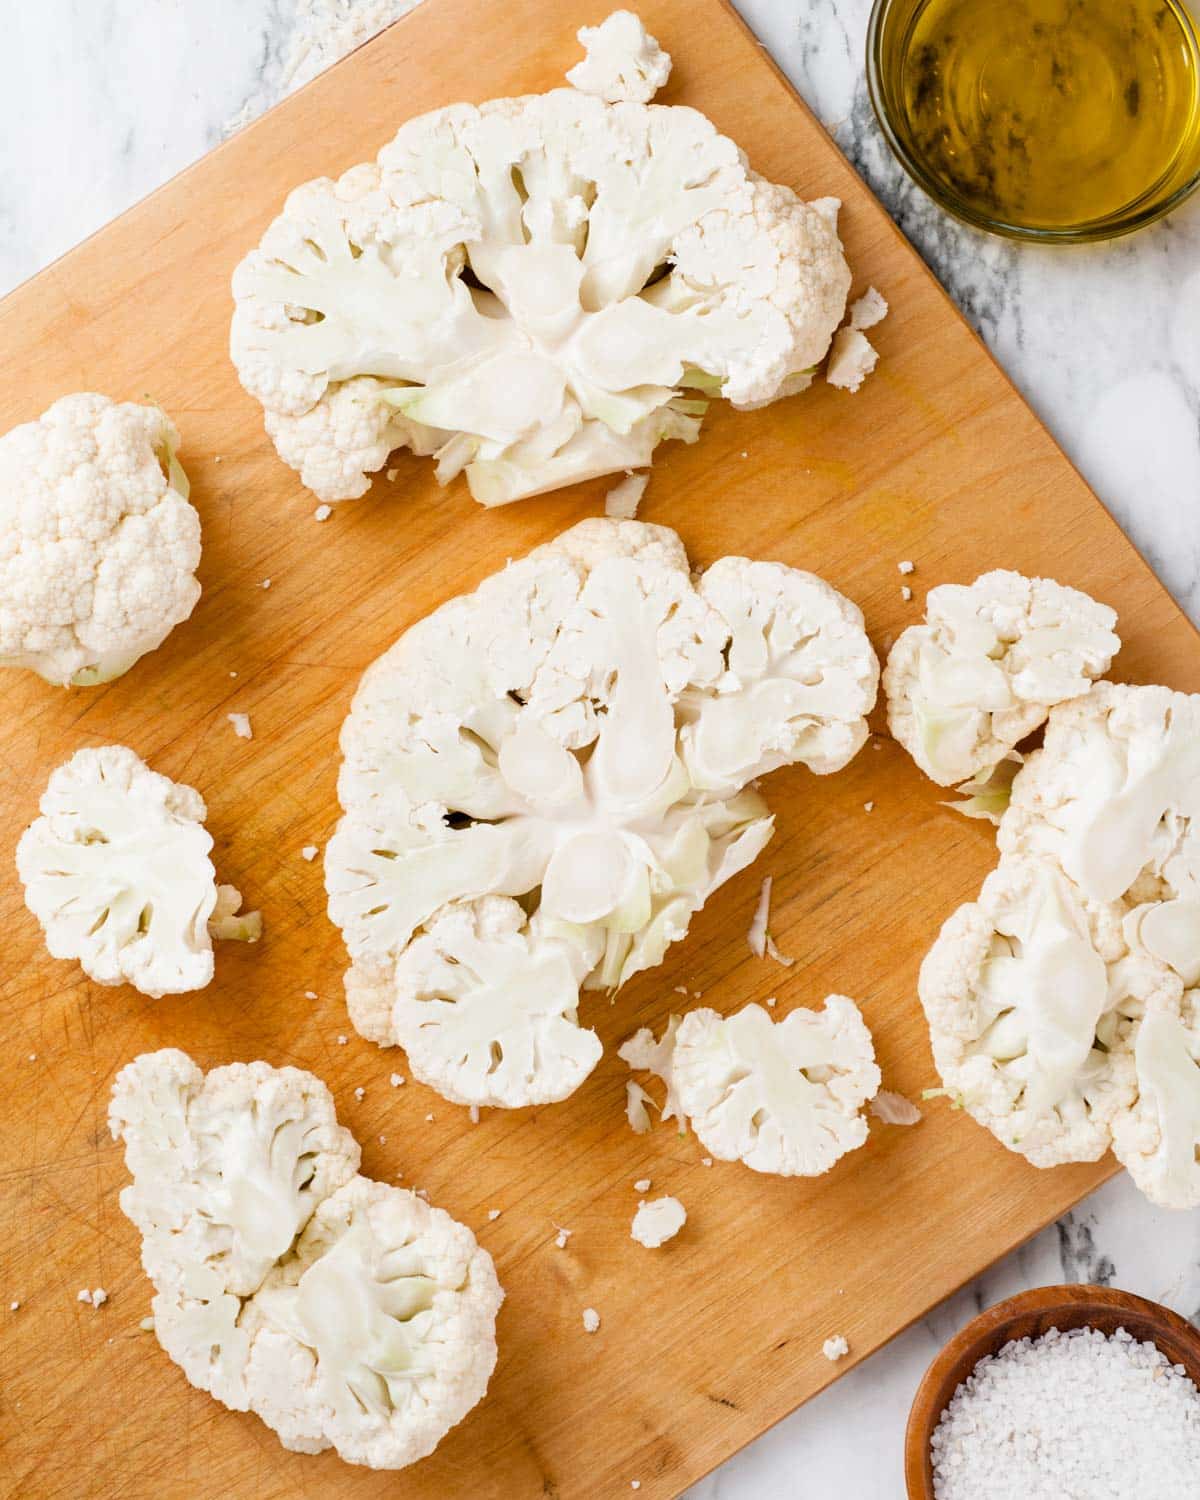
1032 996
623 61
1114 799
343 1312
378 1335
784 1097
117 871
1157 1139
986 667
535 741
528 289
98 543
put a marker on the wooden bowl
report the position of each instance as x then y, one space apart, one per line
1029 1316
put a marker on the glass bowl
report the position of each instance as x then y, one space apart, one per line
889 34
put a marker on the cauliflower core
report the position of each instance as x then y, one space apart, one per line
117 871
98 543
986 667
345 1313
543 780
527 289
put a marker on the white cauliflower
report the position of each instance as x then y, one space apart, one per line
657 1221
117 871
642 1053
98 543
1032 997
1157 1139
1114 799
623 61
577 735
528 289
987 666
784 1097
342 1312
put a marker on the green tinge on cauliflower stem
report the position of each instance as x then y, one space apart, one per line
958 1100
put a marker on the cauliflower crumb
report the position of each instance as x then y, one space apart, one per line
83 1295
591 1320
99 1297
147 1325
493 1215
360 1093
635 1484
852 357
241 726
233 674
265 584
309 852
391 475
33 1057
429 1119
310 994
12 1306
657 1222
396 1080
757 935
323 512
772 1001
906 567
894 1109
642 1185
563 1235
623 499
341 1041
706 1161
871 308
773 952
868 807
835 1348
905 592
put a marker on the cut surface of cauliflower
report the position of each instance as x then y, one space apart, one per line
784 1097
1113 798
623 62
1157 1139
535 291
1033 998
98 543
343 1312
117 871
657 1222
987 665
544 780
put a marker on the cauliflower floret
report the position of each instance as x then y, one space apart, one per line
657 1222
378 1335
1114 799
117 871
783 1097
623 62
1157 1139
98 543
560 738
987 666
1031 995
528 289
644 1054
343 1312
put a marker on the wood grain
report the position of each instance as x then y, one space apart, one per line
1029 1315
707 1342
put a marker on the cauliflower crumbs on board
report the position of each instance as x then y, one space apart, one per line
341 1041
241 726
623 499
868 807
591 1320
309 852
706 1161
1070 1414
563 1235
906 567
871 308
360 1093
396 1080
657 1222
322 512
905 592
12 1306
493 1215
310 994
835 1348
642 1185
147 1325
265 584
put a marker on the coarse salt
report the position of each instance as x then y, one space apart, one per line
1070 1414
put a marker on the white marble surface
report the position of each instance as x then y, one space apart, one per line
102 100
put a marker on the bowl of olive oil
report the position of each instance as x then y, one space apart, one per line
1052 120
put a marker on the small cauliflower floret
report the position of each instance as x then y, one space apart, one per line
984 670
784 1097
657 1222
117 871
623 62
343 1312
98 543
1157 1139
852 357
572 742
529 289
643 1054
378 1335
1032 995
1114 799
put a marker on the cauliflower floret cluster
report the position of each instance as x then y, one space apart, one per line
987 665
528 290
98 543
117 871
784 1097
343 1312
545 779
1061 1004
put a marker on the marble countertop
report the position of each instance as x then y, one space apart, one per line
103 100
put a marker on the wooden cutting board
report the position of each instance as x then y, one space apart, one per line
707 1342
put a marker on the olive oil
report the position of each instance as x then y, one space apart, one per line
1047 115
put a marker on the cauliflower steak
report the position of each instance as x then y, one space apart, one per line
544 780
